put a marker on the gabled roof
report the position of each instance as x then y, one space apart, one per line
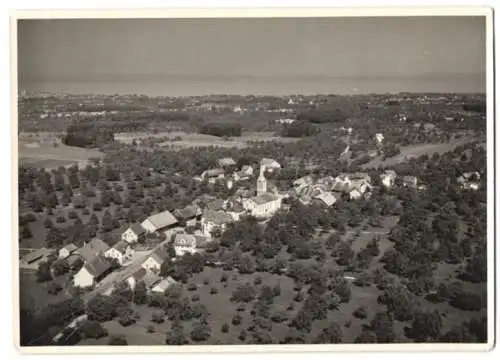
217 217
215 205
97 266
160 254
137 229
213 172
165 283
139 274
121 246
328 198
150 279
269 162
185 240
93 249
162 219
188 212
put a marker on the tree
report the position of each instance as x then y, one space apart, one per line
383 326
425 326
330 335
360 312
26 232
201 331
93 330
117 340
60 267
366 337
54 239
140 293
107 222
247 264
225 328
244 293
43 273
54 288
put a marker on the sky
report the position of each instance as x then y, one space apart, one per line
118 49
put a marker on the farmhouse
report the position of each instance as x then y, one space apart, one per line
96 247
388 178
270 164
154 261
303 182
325 199
410 181
189 215
92 272
121 251
184 243
67 251
160 221
134 233
214 220
470 180
35 257
236 210
212 174
136 277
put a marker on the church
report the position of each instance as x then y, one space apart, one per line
265 204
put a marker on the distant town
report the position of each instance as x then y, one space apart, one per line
252 219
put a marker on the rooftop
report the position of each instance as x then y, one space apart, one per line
217 217
162 219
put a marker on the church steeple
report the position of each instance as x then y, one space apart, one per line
261 182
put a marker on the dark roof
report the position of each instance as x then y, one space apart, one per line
265 198
160 254
188 212
137 228
217 217
97 266
92 249
139 274
217 204
70 247
121 246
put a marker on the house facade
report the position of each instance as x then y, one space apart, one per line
388 178
184 244
67 251
263 206
92 272
213 220
134 233
122 251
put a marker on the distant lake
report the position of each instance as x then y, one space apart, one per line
190 86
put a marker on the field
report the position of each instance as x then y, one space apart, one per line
412 151
184 140
43 153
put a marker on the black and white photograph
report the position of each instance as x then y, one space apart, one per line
254 180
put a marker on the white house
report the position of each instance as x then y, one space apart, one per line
134 233
470 180
136 277
67 251
92 272
263 206
226 162
379 138
184 243
355 194
212 220
154 261
213 174
388 178
270 164
160 221
410 181
163 285
121 251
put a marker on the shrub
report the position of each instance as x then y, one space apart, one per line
206 281
236 319
192 287
117 340
258 280
92 330
54 288
157 318
223 278
225 328
213 290
195 298
360 313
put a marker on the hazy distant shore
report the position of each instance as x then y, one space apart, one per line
192 86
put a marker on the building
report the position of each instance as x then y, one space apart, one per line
236 210
470 180
355 194
160 221
136 277
212 175
184 243
96 247
216 205
263 206
226 162
325 198
188 216
270 164
303 182
121 251
388 178
92 272
410 181
134 233
163 285
379 138
247 170
214 220
154 261
67 250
